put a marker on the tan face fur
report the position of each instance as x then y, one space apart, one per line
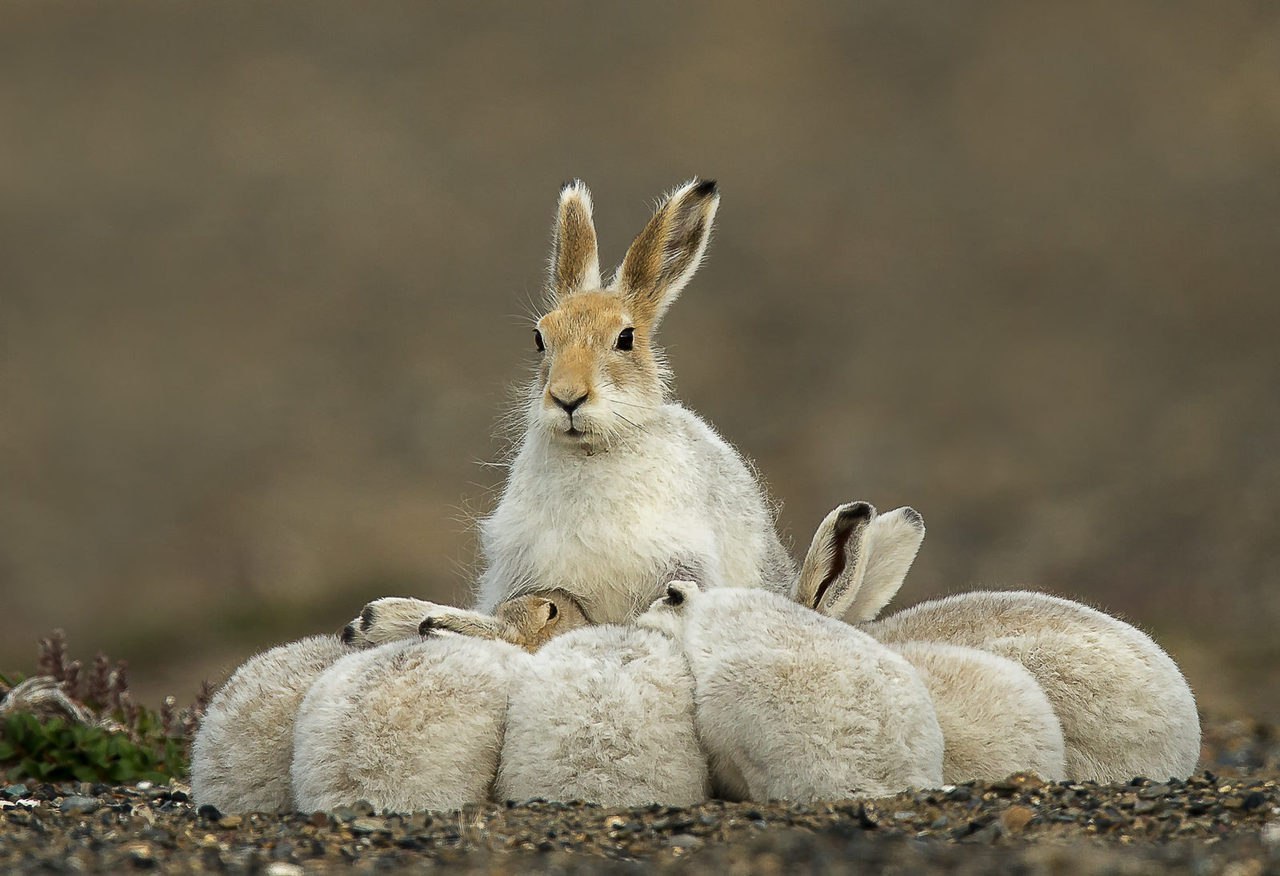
600 376
532 621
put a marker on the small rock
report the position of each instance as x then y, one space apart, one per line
366 825
280 868
209 811
79 806
140 855
13 792
685 841
1153 791
1146 807
230 822
1015 818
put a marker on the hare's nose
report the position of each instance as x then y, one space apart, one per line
570 406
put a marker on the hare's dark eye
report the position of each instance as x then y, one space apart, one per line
537 340
626 339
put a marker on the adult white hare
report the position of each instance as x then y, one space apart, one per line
615 487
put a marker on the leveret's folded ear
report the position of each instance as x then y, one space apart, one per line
575 258
665 256
891 543
832 571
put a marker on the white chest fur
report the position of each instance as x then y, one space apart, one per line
610 528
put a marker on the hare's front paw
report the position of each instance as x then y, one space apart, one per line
387 620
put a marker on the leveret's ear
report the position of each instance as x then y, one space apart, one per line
833 569
665 256
891 543
575 258
544 611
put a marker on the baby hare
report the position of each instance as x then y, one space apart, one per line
995 718
1123 707
604 714
241 754
412 725
796 706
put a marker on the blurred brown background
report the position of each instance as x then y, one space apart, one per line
264 272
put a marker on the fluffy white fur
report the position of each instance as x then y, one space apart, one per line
407 726
792 705
1124 707
604 714
995 718
240 756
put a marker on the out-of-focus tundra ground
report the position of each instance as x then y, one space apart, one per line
264 274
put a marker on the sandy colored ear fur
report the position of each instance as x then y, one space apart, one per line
666 254
890 544
834 566
575 254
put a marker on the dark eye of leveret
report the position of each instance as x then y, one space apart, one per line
537 340
626 339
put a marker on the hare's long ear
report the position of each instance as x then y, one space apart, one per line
891 543
575 256
832 570
665 256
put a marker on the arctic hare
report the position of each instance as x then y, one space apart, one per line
407 726
241 754
995 718
615 488
793 705
1125 708
604 714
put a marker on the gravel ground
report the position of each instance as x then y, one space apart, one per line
1224 820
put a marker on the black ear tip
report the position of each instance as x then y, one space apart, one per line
574 183
674 596
855 512
705 189
913 517
425 627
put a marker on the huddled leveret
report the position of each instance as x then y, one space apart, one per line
241 753
796 706
1121 705
604 714
1125 708
411 725
995 717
